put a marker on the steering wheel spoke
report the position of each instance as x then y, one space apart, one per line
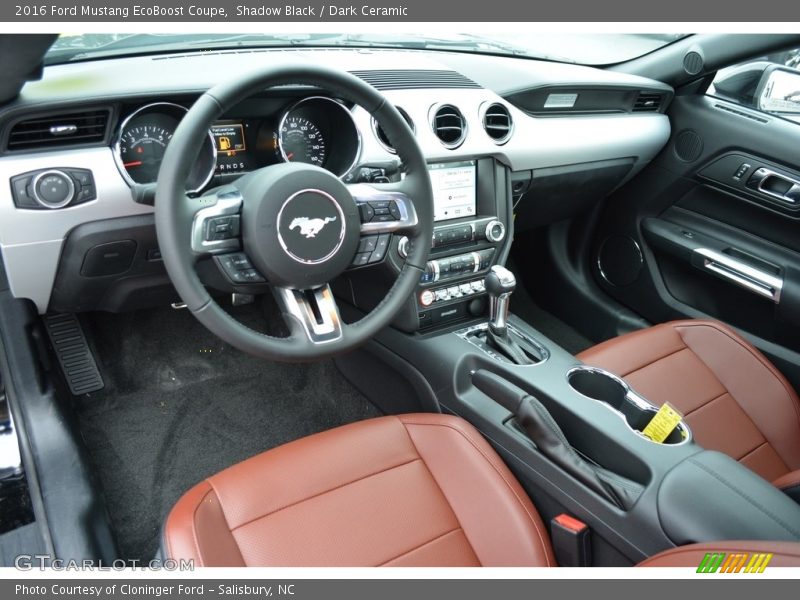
216 224
315 310
384 209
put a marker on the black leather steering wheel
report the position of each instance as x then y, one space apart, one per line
300 225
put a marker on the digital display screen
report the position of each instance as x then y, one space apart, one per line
454 189
229 138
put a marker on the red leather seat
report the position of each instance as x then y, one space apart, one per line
732 397
413 490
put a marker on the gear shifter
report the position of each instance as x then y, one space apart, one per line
500 284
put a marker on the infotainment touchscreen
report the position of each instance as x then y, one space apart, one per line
454 185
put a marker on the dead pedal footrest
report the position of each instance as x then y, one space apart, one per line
76 359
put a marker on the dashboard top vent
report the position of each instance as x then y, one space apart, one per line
448 125
647 102
57 130
497 122
411 79
381 135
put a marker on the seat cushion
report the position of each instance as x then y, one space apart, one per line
413 490
732 397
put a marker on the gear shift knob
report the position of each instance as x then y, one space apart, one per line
500 283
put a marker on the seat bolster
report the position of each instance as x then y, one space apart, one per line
196 529
484 495
784 554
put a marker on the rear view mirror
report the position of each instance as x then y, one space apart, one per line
779 90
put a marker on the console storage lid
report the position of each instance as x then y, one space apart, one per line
709 497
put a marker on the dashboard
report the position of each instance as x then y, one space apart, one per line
80 150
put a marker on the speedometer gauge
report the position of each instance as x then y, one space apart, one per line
301 141
142 140
320 131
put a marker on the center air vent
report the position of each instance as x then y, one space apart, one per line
497 123
52 131
647 102
448 125
381 135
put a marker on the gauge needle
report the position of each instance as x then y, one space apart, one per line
134 163
290 156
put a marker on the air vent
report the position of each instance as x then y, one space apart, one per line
68 129
410 79
448 125
381 135
647 102
497 123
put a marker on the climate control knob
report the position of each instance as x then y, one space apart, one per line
495 231
53 189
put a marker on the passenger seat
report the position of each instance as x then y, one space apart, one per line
734 400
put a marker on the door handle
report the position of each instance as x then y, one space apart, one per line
747 277
787 189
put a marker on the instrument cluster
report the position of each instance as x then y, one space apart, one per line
316 130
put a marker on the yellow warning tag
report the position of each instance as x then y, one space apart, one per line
662 424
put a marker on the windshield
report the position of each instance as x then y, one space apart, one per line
588 49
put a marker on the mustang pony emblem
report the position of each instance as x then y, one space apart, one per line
310 227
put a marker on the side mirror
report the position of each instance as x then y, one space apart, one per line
779 90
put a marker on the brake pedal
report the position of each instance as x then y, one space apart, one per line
73 352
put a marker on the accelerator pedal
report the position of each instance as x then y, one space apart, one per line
73 352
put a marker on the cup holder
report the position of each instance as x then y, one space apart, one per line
602 386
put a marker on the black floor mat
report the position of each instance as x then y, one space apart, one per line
179 405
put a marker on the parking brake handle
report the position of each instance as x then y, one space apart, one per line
539 425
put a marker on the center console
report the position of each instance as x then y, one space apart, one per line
574 435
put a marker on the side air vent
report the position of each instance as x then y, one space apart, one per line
647 102
409 79
448 125
52 131
381 135
497 123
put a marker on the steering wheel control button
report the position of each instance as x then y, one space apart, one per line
367 244
379 211
426 298
238 268
361 259
367 212
222 228
381 247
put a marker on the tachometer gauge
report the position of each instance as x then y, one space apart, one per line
143 138
141 150
301 141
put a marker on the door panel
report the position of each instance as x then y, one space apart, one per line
716 218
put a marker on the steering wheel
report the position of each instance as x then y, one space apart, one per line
300 225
